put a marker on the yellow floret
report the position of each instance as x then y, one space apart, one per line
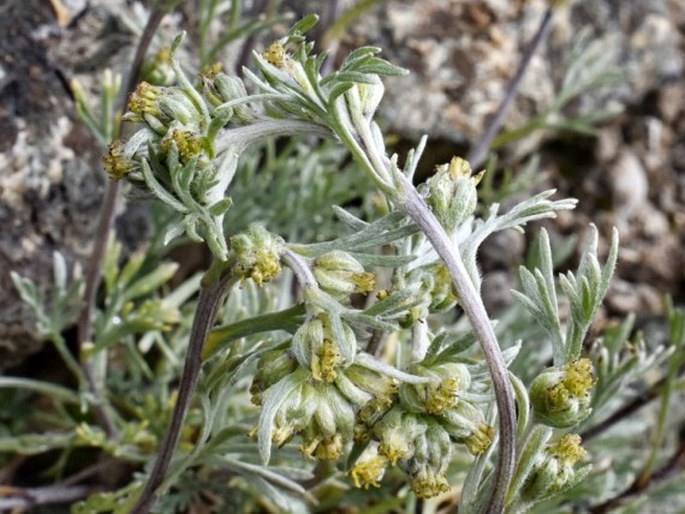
369 472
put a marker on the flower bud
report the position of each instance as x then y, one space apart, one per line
325 360
316 347
257 253
441 290
320 414
310 335
292 416
452 193
145 100
369 469
330 428
414 314
427 484
428 465
466 424
480 439
370 96
437 396
275 54
272 366
277 63
227 88
151 315
367 417
554 469
115 162
373 382
158 70
396 433
340 274
159 106
384 393
187 143
561 396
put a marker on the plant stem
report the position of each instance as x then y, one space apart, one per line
94 270
212 293
238 138
102 413
373 347
69 360
660 430
479 151
55 391
473 306
403 192
24 499
301 269
530 446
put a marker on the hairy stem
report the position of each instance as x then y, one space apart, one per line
473 306
402 191
477 154
301 269
94 270
212 293
238 138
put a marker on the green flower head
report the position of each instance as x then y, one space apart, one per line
555 469
397 432
272 366
115 162
258 254
340 274
561 396
428 466
452 193
369 470
466 424
439 395
317 348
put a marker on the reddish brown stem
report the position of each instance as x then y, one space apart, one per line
207 305
94 270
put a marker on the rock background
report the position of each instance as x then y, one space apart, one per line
461 54
50 189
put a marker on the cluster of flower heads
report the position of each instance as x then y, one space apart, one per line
321 387
176 153
257 254
560 397
417 429
315 385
